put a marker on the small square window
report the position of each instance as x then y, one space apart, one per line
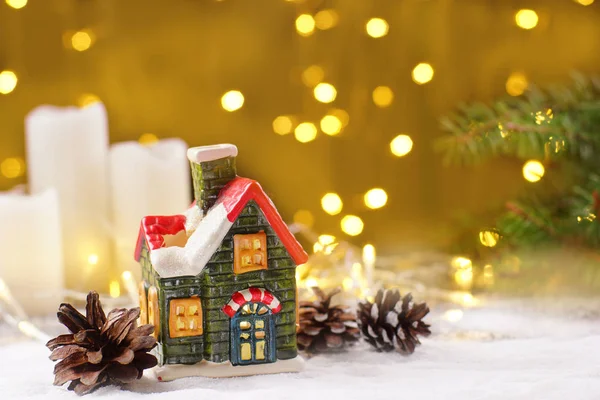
257 245
193 310
185 317
246 261
258 259
180 310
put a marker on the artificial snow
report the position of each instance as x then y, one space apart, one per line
522 350
210 153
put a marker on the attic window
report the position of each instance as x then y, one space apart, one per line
250 252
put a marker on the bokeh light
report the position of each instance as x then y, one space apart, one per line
232 100
526 19
463 271
304 217
584 2
377 27
325 92
87 99
16 4
489 238
8 81
114 289
326 19
305 25
147 139
533 170
375 198
93 259
305 132
401 145
352 225
313 75
283 125
383 96
516 84
82 40
332 203
331 125
12 167
422 73
340 114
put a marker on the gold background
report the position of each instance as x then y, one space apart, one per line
162 67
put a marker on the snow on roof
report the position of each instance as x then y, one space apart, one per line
210 153
212 228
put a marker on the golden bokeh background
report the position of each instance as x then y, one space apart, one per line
334 104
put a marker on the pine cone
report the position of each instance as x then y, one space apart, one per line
393 322
100 350
325 328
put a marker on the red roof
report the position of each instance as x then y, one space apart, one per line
234 197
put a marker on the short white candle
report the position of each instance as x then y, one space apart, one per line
67 149
145 180
31 260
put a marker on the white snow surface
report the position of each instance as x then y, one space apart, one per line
506 350
210 153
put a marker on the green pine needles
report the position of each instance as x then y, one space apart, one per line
558 126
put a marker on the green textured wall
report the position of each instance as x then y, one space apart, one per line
209 178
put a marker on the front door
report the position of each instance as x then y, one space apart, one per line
252 335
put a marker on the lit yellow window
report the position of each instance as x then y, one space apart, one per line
250 252
185 317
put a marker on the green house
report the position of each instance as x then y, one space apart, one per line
219 280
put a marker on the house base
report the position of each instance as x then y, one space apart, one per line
226 369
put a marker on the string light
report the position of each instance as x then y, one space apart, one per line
332 203
283 125
489 238
232 100
377 27
422 73
383 96
584 2
516 84
93 259
114 289
87 99
526 19
342 115
312 76
305 132
8 81
82 40
13 167
16 4
304 217
325 243
533 170
147 139
326 19
331 125
352 225
305 25
401 145
375 198
463 275
325 92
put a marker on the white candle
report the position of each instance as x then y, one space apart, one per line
31 261
145 180
67 149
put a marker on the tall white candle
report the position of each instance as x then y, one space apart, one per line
67 149
145 180
31 260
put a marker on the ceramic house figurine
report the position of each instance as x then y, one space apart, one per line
219 280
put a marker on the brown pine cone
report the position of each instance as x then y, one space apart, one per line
393 322
100 350
325 328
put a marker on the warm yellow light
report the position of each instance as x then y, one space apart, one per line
305 25
352 225
93 259
526 19
126 275
422 73
401 145
326 19
461 262
516 84
544 117
148 139
377 27
383 96
347 283
453 315
464 277
114 289
87 99
584 2
283 125
533 170
311 282
331 125
325 92
326 239
313 75
375 198
8 81
82 40
305 132
232 100
304 217
489 238
368 254
16 4
12 167
332 203
342 115
488 275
